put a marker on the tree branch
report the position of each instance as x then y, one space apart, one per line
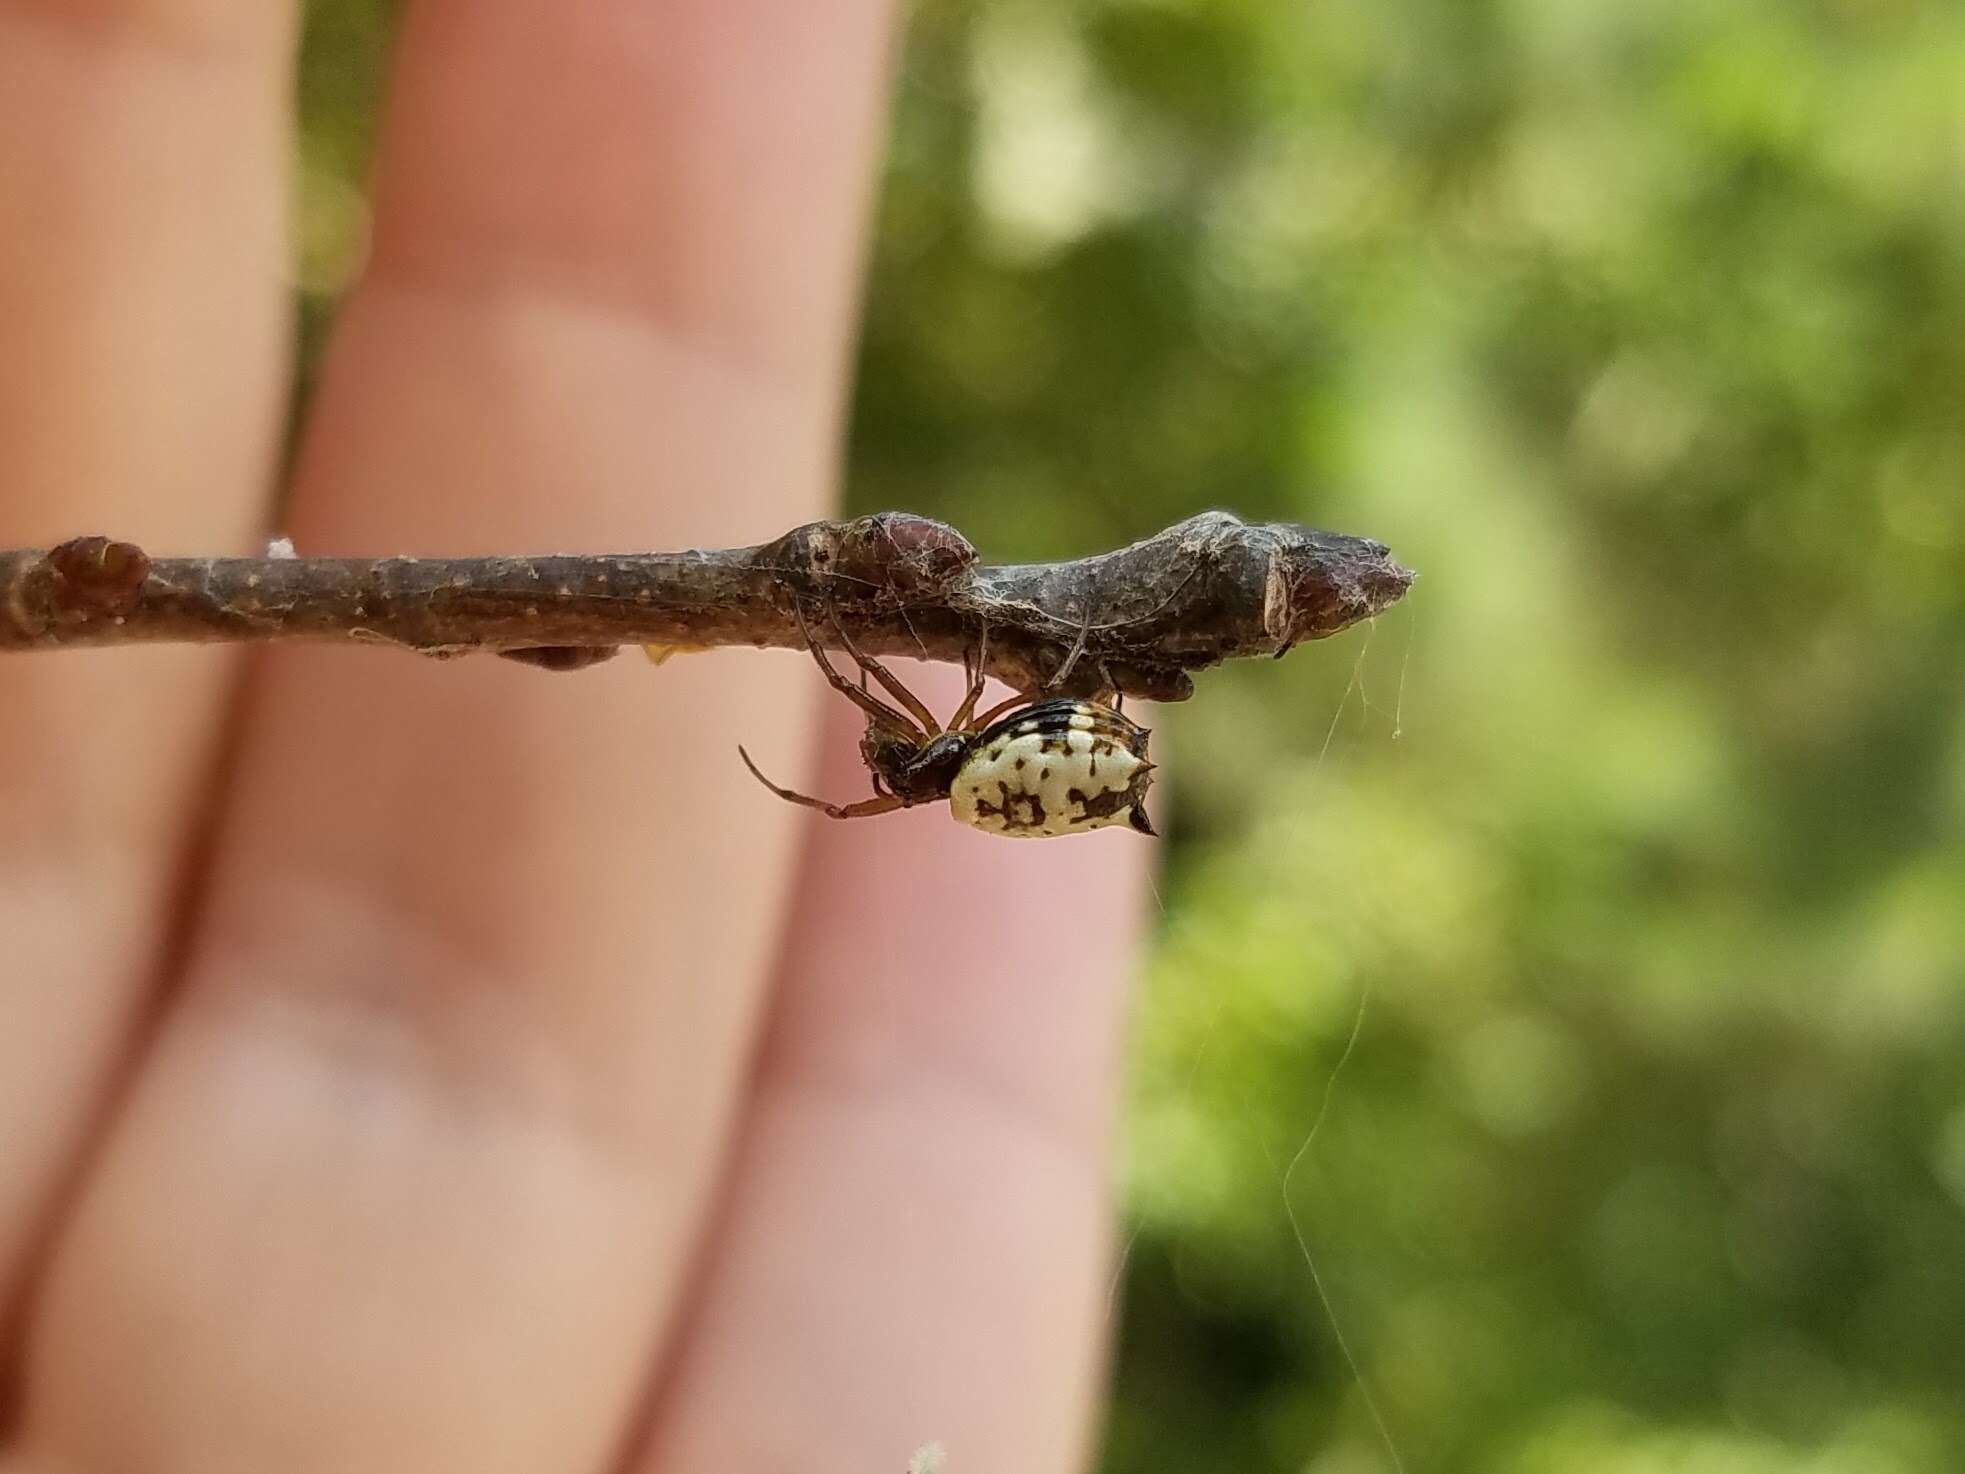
1137 620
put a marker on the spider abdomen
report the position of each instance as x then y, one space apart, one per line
1055 768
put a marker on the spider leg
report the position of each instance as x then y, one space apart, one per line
1063 672
1108 693
963 713
1001 707
866 808
869 666
883 714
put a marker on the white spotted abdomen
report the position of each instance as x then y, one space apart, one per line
1054 769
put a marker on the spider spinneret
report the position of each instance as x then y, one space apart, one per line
1025 768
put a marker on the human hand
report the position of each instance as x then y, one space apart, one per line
454 1066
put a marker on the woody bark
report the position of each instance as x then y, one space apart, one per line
1138 620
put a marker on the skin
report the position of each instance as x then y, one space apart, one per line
429 1067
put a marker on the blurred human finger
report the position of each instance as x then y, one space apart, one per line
915 1240
143 364
468 1009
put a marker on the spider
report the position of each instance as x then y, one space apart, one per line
1025 768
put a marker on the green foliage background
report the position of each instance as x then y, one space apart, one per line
1638 326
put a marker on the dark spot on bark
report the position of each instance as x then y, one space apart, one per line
103 574
901 553
561 657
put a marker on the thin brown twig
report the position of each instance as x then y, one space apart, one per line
1137 620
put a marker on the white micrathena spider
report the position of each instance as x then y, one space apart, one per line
1025 768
